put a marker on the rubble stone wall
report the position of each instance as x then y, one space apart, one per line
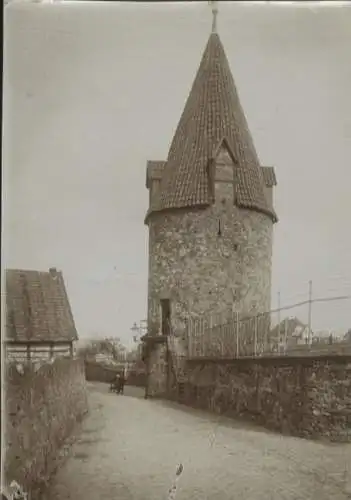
200 270
303 396
157 378
96 372
42 408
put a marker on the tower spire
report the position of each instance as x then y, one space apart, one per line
214 7
212 117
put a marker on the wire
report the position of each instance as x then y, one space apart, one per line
333 289
312 301
285 308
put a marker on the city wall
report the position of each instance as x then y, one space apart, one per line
96 372
42 408
305 396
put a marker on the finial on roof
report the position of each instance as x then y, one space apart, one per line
214 6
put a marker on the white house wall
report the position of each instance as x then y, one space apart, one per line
37 353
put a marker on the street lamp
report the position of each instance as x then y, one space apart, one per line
143 326
135 330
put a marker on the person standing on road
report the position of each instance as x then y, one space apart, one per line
122 381
118 383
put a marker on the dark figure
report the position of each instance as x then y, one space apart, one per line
122 381
114 384
118 383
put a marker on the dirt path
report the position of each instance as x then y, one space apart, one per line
129 449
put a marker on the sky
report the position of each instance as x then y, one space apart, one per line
94 90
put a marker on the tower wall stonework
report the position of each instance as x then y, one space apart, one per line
213 260
204 273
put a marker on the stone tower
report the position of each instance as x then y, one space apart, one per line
211 212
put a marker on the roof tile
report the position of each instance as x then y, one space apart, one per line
37 307
212 112
269 176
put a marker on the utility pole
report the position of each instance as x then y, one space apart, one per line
309 310
279 320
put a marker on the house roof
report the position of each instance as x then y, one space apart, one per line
154 170
212 114
269 177
37 307
294 327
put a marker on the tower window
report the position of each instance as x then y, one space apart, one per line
219 228
165 316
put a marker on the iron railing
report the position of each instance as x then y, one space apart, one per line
259 335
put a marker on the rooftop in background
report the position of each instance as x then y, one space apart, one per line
37 307
292 327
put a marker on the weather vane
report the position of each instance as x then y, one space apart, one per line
214 6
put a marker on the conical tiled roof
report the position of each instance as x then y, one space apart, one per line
212 113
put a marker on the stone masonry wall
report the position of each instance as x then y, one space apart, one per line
42 409
307 397
95 372
200 271
210 259
157 378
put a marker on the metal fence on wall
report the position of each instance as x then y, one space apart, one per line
278 332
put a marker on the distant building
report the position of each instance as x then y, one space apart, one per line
292 332
328 337
39 320
108 359
104 358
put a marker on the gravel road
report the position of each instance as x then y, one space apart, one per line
129 449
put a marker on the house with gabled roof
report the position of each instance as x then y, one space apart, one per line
292 332
39 319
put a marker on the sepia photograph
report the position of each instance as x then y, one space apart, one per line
176 250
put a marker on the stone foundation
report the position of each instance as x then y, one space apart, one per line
302 396
307 397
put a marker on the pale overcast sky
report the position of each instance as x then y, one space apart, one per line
92 91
